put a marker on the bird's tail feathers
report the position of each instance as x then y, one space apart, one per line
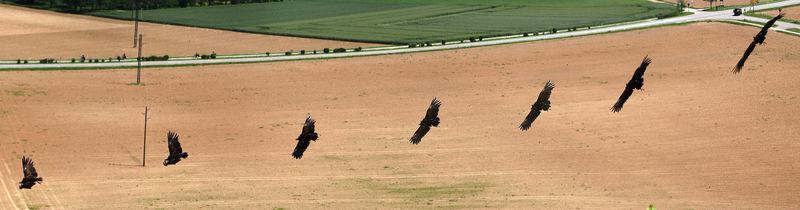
184 155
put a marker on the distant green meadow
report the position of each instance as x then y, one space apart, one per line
404 21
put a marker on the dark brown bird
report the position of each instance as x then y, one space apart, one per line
541 104
30 177
636 83
431 119
757 40
306 136
176 152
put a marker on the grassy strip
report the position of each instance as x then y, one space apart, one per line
759 25
766 16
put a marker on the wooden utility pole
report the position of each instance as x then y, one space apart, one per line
144 145
139 62
135 21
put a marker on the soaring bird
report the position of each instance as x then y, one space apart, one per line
176 153
431 119
306 136
757 40
541 104
30 176
636 83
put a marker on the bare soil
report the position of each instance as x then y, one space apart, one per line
36 34
697 137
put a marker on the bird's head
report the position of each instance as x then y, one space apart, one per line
166 162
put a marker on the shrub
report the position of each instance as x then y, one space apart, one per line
443 42
302 52
326 50
358 49
267 54
204 57
213 55
118 59
315 51
25 61
288 53
124 57
83 58
472 39
525 34
480 38
73 60
554 30
339 50
156 58
412 45
19 61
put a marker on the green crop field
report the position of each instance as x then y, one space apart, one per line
404 21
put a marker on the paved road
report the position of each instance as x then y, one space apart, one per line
697 16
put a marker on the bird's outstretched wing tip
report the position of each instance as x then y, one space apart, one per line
415 140
647 59
550 84
436 102
737 69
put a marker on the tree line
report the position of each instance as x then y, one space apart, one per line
90 5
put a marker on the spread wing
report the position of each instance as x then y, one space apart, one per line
747 52
174 144
642 68
308 126
421 131
761 35
433 109
27 168
431 119
546 91
526 124
622 99
300 148
770 23
538 106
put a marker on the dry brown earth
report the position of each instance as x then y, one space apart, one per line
698 137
